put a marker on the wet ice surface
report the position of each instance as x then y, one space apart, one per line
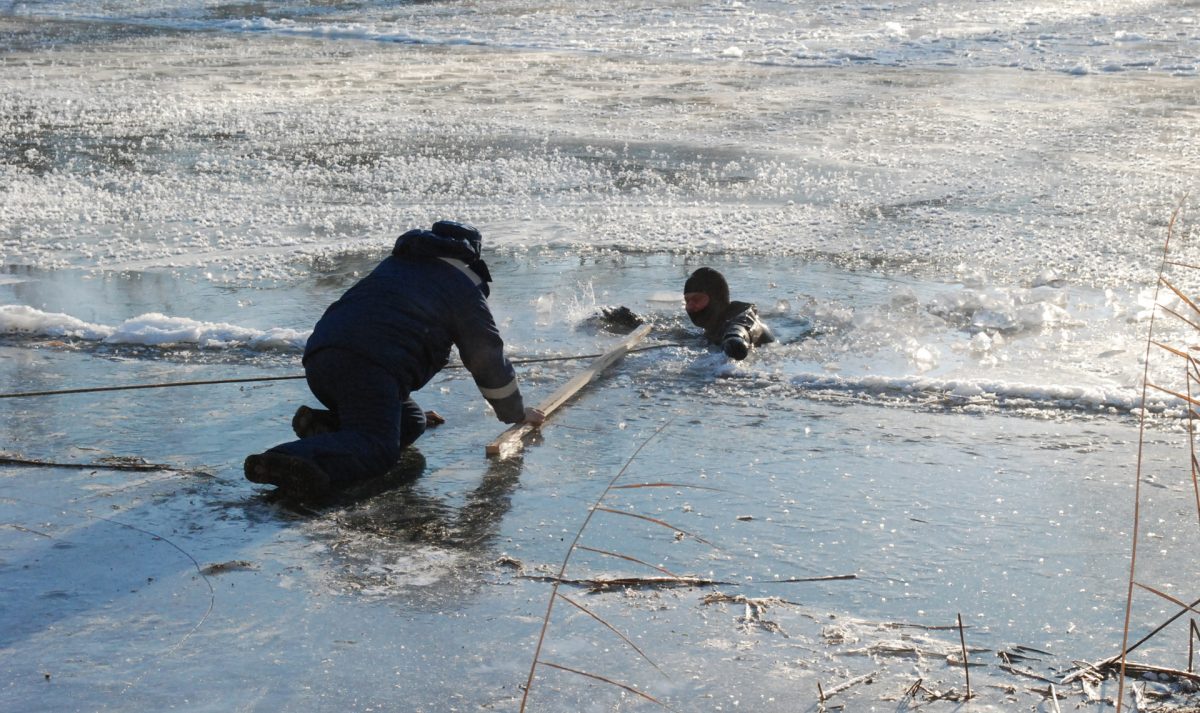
168 585
951 223
110 587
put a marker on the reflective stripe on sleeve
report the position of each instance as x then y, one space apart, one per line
503 392
465 270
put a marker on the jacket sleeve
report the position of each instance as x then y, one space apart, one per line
482 352
743 330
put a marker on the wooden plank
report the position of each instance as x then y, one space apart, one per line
510 440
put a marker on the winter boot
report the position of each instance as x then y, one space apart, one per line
296 477
310 422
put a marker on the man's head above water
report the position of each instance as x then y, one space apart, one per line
734 326
705 296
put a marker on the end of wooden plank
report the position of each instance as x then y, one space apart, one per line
508 442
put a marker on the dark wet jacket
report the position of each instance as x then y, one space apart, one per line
739 321
413 307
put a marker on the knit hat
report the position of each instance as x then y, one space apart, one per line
460 231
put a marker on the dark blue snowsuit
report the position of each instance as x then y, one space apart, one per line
386 337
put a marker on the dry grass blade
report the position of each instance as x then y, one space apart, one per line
1186 300
1176 394
609 681
1168 597
1142 669
656 521
1178 316
611 628
1147 637
966 665
668 485
914 689
1085 670
823 578
1167 347
601 584
113 463
1192 439
1025 672
537 653
627 558
826 694
1193 635
723 598
1137 492
1196 481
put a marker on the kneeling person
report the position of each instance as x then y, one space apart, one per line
385 338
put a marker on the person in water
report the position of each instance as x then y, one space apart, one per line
385 338
734 326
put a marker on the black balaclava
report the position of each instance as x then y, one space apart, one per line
711 283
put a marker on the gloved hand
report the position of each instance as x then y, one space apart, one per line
735 348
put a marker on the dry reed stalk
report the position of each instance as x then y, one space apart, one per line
600 584
654 520
627 558
844 685
1193 634
668 485
1169 598
602 679
610 627
112 463
1114 658
1025 672
555 596
966 666
1137 492
1141 668
913 690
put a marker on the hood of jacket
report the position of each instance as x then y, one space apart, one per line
457 241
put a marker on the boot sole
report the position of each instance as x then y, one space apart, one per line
290 474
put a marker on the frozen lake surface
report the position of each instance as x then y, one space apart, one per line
951 213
